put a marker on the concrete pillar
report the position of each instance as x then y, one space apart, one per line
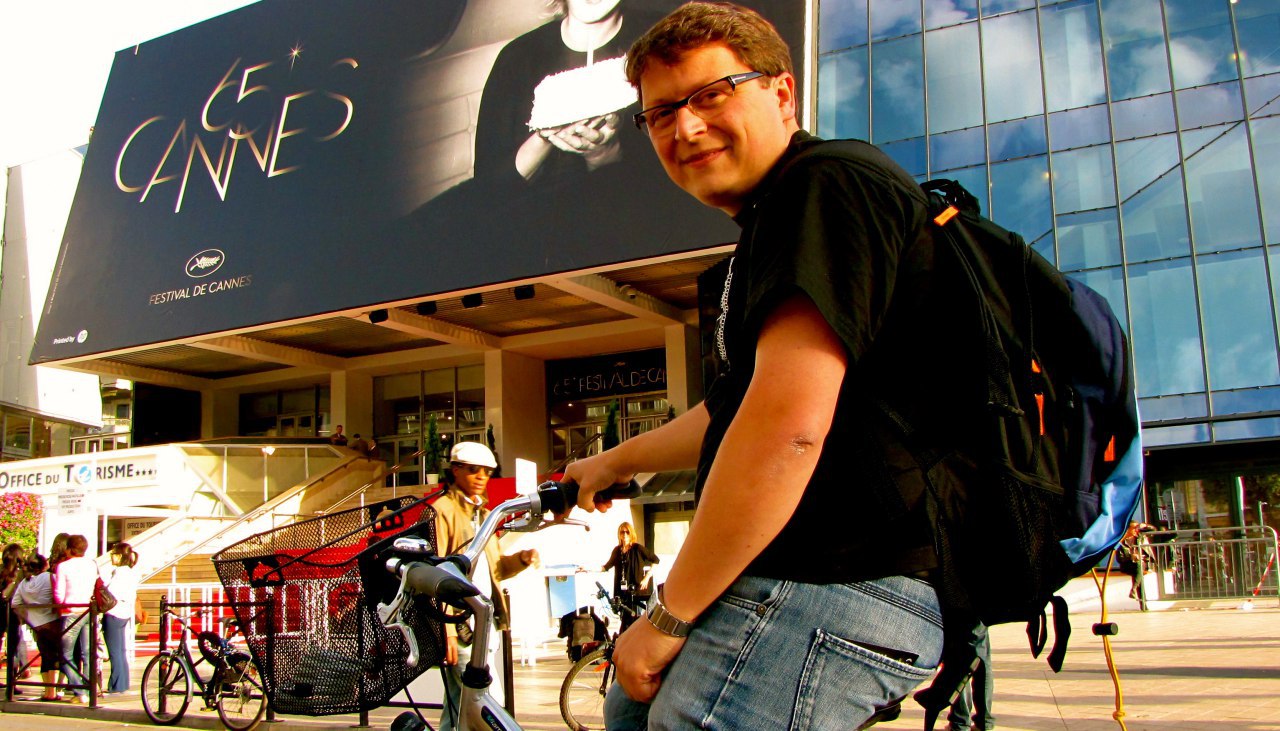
351 402
684 367
219 414
516 405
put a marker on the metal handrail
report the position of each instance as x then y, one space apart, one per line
263 508
380 477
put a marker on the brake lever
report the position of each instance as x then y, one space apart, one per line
526 525
389 615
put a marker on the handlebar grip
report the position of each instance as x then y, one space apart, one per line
557 497
433 581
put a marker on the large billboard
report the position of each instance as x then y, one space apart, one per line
295 158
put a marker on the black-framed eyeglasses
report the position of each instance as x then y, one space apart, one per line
706 102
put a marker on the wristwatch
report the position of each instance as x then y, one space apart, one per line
664 621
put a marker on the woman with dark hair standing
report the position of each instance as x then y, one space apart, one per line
73 582
37 589
123 583
11 572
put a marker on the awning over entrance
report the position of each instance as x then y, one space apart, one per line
666 487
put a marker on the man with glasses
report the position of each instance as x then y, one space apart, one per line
459 512
800 598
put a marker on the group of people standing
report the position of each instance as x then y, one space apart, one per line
50 595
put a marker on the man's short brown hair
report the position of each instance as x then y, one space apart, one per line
693 25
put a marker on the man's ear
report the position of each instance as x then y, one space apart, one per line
785 88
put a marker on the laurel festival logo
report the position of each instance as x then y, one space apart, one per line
205 263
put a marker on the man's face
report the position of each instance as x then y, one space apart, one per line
471 479
720 161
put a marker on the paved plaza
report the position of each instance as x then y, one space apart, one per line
1187 668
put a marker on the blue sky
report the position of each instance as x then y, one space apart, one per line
55 56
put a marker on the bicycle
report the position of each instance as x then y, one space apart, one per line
584 688
447 579
234 688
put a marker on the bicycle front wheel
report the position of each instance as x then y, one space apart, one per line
241 699
166 689
582 693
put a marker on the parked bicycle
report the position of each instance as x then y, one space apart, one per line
448 580
234 687
582 693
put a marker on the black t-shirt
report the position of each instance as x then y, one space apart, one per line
842 223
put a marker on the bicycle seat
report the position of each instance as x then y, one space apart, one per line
212 647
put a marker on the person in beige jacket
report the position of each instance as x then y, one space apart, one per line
459 512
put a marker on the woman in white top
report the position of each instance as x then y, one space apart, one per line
123 583
37 588
73 582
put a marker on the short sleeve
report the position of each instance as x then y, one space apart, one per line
833 229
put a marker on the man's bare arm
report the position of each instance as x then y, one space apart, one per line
760 472
673 446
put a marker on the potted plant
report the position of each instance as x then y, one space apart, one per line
433 459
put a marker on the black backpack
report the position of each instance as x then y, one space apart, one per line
1053 471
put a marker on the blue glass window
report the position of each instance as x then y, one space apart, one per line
1137 63
1011 60
1273 255
1266 146
897 89
1020 197
1142 117
1239 332
910 154
955 85
1246 429
892 18
1083 179
1110 284
1258 27
1165 408
1250 399
841 24
1170 435
1207 105
1072 55
843 108
991 7
1152 205
1079 127
938 13
1166 337
1200 42
1087 240
1263 95
1018 138
957 149
1224 207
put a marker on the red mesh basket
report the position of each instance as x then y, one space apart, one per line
306 597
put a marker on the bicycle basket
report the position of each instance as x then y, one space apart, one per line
309 620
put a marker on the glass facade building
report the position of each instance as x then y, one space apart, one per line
1135 143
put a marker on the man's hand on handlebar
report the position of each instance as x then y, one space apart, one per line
597 481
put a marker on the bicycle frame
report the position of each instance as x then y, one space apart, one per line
449 580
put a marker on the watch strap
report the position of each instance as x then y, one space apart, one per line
664 621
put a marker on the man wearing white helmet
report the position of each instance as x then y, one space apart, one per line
459 511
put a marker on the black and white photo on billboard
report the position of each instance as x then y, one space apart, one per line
348 154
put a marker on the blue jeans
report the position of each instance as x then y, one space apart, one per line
780 654
117 649
976 696
75 635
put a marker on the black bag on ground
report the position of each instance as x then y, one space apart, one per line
1050 469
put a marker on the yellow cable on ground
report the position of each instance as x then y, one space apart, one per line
1105 630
